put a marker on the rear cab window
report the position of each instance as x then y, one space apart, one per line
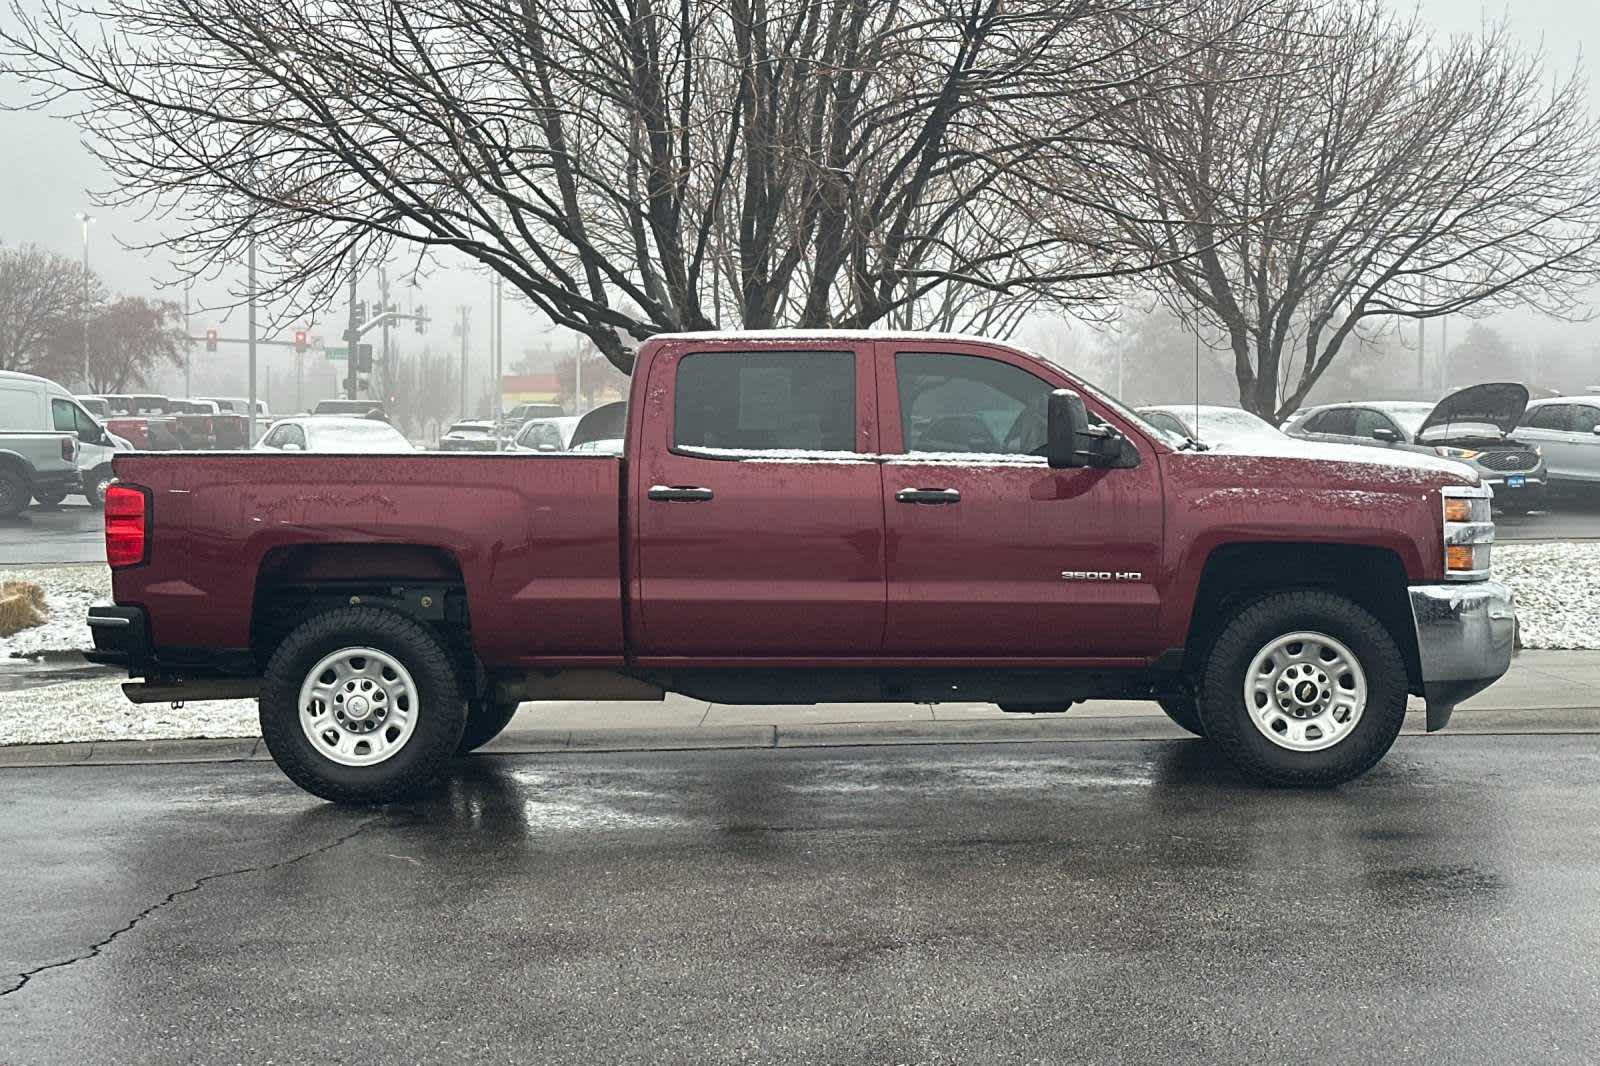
733 403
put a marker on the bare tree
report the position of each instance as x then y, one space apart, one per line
129 340
40 293
1343 171
631 166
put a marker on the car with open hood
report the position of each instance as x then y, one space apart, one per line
1476 426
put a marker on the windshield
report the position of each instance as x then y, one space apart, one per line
467 429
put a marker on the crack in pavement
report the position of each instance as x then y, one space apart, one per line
96 948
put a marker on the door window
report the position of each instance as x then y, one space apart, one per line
766 401
1341 422
1550 416
967 404
1585 418
1368 421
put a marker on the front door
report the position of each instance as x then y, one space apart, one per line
991 554
759 526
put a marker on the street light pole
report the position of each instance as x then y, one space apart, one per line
188 344
85 218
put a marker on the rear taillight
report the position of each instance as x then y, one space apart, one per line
127 516
69 449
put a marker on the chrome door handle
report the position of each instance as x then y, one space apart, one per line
928 496
678 493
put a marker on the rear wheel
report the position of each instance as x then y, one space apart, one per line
49 497
1303 688
485 721
361 705
14 493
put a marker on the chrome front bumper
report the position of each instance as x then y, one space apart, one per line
1465 636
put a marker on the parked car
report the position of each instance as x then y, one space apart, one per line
1473 426
240 405
42 432
470 436
334 433
357 408
391 612
1567 430
142 421
545 434
523 413
604 424
1211 424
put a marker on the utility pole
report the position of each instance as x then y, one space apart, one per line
383 294
577 378
188 344
352 340
85 218
1444 354
250 423
462 329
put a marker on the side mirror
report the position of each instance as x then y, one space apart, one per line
1388 436
1067 422
1597 431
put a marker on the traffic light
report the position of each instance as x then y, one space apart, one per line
422 320
211 340
299 340
361 313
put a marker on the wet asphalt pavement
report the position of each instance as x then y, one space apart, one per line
1126 902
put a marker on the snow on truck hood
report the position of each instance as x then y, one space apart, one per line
1294 448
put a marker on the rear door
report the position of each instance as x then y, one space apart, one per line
992 555
1583 444
759 521
1549 427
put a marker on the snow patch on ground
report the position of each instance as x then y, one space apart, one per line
69 592
1558 592
97 710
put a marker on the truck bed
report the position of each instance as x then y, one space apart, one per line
536 540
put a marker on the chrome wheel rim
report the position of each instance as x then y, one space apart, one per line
358 706
1305 691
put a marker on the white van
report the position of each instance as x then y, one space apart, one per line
33 404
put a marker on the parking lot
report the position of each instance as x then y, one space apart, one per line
1019 902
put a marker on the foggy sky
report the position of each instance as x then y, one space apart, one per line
47 172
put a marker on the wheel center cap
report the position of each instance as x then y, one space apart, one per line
357 707
1306 692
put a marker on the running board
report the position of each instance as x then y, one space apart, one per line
244 688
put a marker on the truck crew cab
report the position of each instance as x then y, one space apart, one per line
802 517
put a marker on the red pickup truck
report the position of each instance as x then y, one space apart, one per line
810 517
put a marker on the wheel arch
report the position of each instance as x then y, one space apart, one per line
1235 574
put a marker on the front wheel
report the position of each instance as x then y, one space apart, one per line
95 484
1304 688
49 497
361 705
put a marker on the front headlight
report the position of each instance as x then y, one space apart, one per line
1468 533
1457 453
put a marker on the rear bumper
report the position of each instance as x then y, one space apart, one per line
121 637
1465 637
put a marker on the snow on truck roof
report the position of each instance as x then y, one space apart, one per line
757 335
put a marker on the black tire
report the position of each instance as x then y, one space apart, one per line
14 494
49 497
485 721
95 483
1184 713
440 717
1227 719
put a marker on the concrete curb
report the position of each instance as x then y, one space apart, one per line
1065 729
